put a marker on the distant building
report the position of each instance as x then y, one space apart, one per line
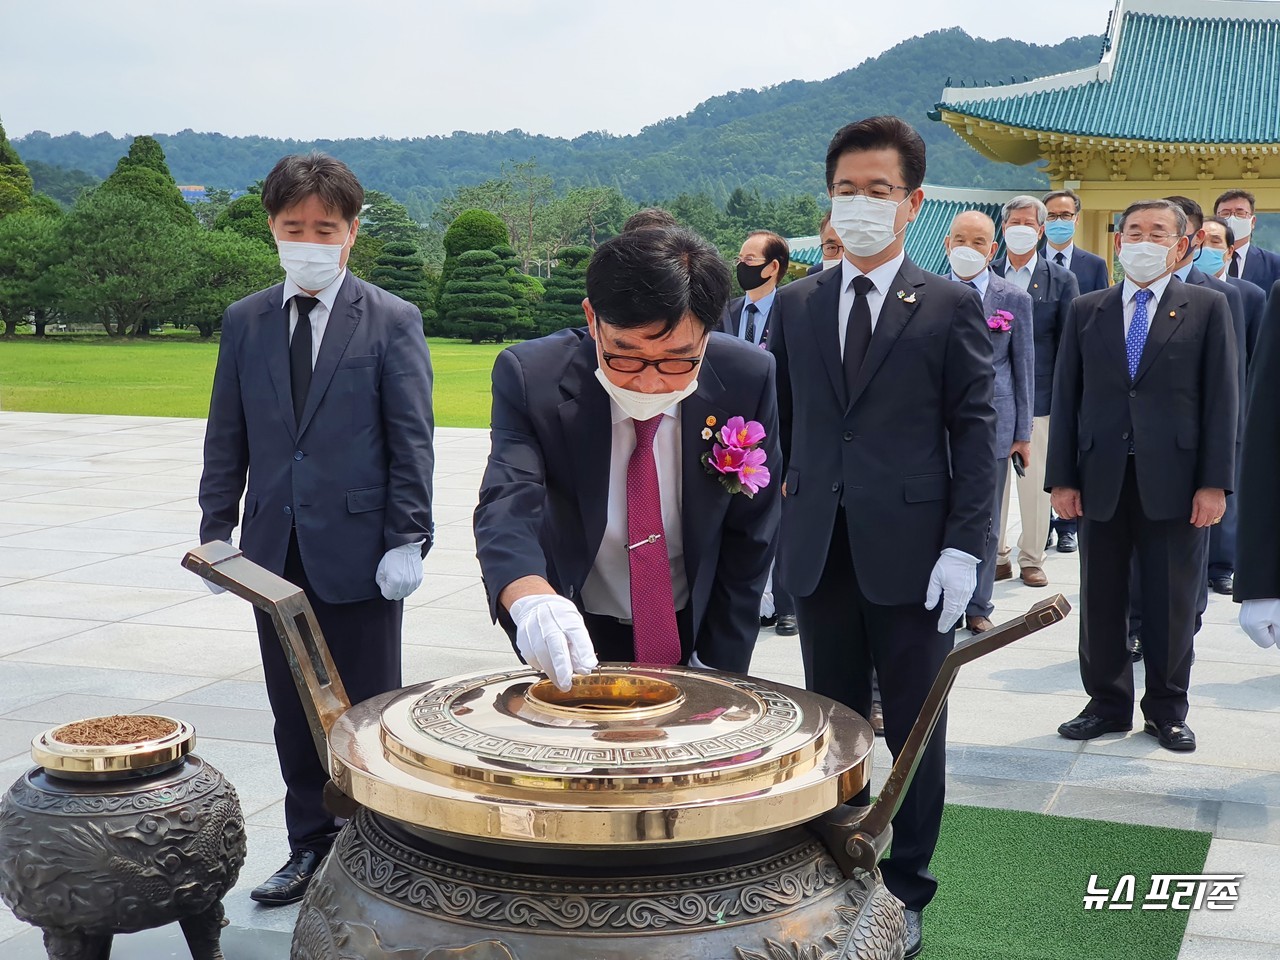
200 195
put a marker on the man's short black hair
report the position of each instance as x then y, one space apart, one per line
658 275
296 177
1222 222
1195 216
775 248
649 217
879 133
1065 193
1179 215
1236 194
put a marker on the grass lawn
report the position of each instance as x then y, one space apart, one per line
170 375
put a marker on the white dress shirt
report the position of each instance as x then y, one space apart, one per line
1130 304
881 278
764 305
1241 251
319 313
1051 254
607 591
1022 275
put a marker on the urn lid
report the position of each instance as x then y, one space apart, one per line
630 756
113 747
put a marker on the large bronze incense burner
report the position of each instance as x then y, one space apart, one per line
647 813
119 828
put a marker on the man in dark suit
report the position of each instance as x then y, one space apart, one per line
832 248
322 400
1257 582
970 245
601 535
1213 259
1250 262
1052 288
1142 447
888 431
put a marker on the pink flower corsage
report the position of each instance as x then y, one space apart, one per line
735 458
1001 321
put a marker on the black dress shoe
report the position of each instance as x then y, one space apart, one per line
1221 585
1172 734
290 882
768 621
913 939
1090 725
1135 647
877 718
787 626
1066 543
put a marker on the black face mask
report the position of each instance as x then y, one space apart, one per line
749 277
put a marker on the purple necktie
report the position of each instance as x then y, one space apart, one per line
653 612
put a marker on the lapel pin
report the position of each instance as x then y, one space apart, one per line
1035 286
902 295
1173 313
711 421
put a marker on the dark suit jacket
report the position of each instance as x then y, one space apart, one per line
1261 267
911 454
816 268
1180 409
1255 307
544 497
1257 558
1052 289
1239 327
1089 268
732 315
355 476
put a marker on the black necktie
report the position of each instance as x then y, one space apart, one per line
1234 269
1060 259
300 355
857 334
752 310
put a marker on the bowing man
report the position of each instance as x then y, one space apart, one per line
628 512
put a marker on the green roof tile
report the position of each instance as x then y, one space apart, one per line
1200 71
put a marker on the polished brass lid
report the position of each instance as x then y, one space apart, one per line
631 756
112 761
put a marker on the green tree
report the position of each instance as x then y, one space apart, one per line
566 288
215 201
28 248
143 173
64 186
526 291
400 270
364 255
222 267
16 185
247 217
477 304
386 219
470 230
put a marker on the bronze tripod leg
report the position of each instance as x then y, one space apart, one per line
204 932
69 945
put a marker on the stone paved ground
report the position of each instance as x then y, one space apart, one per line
96 616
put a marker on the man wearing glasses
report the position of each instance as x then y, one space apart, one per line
1142 449
601 535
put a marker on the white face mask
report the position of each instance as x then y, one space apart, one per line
1242 227
1144 262
966 262
1021 240
312 266
642 406
828 264
865 225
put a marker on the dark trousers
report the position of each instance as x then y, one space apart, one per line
1170 574
1060 526
615 641
1135 590
843 636
784 604
364 639
980 604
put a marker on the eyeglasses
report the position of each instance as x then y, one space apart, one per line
1054 217
1132 236
876 191
1244 213
753 260
669 367
833 248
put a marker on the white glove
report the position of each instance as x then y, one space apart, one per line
953 580
1260 619
552 638
400 571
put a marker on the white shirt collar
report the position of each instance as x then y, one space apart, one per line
881 277
1067 251
326 296
980 281
1157 290
1029 266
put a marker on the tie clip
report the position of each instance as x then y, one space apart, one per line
652 538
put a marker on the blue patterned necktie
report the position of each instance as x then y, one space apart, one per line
1137 338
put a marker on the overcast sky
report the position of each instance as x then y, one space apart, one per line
404 68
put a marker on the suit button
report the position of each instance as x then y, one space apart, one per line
1133 393
1125 435
297 455
835 488
848 435
288 511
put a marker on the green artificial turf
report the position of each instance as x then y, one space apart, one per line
169 376
1012 885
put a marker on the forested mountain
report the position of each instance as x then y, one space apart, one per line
770 140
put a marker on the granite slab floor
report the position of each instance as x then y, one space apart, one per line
96 616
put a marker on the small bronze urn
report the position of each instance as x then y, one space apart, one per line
120 828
